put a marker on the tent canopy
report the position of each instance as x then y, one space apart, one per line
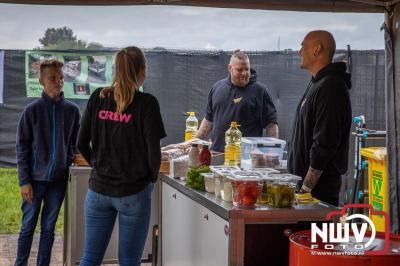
292 5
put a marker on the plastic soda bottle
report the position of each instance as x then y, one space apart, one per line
191 126
233 139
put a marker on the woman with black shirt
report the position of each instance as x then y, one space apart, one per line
120 137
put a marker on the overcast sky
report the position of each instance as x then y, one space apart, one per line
185 27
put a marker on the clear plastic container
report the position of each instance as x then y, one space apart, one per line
271 195
246 190
226 189
282 194
209 182
261 152
220 174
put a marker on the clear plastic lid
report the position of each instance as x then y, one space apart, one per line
263 142
215 168
246 176
284 178
222 173
265 171
207 175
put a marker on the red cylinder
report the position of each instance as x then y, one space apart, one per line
301 253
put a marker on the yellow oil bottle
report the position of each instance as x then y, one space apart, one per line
191 126
233 139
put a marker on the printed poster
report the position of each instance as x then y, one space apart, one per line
83 72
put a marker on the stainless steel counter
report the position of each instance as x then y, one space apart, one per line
259 232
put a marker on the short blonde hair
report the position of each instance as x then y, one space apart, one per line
50 64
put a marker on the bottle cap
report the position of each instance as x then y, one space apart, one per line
191 113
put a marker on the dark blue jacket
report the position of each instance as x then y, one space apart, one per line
46 139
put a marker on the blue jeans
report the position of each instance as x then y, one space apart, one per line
52 195
133 218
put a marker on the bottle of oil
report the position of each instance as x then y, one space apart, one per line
191 126
233 139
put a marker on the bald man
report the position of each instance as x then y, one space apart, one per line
241 98
318 148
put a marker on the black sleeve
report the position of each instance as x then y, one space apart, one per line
269 114
209 111
331 108
84 136
153 130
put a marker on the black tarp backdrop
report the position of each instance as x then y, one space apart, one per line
181 81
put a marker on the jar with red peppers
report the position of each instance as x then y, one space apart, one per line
205 156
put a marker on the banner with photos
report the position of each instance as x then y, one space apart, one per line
83 72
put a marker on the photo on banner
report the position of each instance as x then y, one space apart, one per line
1 76
84 72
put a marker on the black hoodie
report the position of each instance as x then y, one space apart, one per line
251 106
321 128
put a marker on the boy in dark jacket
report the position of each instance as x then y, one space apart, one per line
46 143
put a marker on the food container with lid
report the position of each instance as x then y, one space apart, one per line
282 194
209 182
221 182
266 196
225 186
246 188
261 152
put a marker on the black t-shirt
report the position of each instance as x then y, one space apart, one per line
251 106
125 148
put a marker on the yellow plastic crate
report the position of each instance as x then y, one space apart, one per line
377 183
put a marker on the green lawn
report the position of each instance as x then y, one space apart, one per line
10 204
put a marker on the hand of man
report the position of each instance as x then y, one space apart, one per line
27 193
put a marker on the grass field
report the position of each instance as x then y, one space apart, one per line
10 204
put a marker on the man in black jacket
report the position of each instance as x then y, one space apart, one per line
318 148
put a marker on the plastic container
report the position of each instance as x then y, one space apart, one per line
267 194
223 187
233 139
282 194
209 182
226 189
377 183
178 167
191 126
246 189
220 172
261 152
